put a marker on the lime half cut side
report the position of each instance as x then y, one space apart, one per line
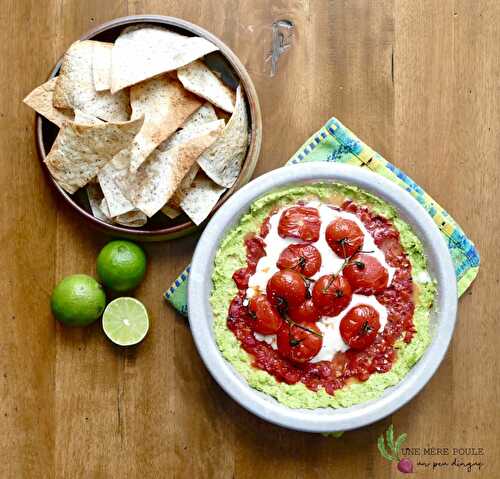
125 321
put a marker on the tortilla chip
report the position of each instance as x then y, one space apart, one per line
75 87
133 219
171 212
101 65
190 129
222 161
100 210
117 203
200 198
165 106
157 179
83 118
80 151
199 79
189 176
175 200
40 99
95 197
142 52
204 114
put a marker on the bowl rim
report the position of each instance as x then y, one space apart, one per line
255 134
322 419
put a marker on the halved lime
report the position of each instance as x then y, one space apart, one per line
125 321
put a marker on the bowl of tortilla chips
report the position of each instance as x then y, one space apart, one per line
147 125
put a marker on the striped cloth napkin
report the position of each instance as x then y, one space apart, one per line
335 143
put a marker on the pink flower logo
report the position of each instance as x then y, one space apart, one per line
390 449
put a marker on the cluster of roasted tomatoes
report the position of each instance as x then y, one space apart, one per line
294 302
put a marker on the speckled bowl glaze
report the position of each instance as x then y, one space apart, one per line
443 315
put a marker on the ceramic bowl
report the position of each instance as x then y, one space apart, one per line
325 419
232 71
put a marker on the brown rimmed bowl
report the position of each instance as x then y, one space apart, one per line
232 71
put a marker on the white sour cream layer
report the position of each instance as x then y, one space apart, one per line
330 263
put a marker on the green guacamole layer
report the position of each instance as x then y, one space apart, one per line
231 256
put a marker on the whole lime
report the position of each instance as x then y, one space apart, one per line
78 300
121 265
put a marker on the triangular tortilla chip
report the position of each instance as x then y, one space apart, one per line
117 168
94 190
133 219
175 200
101 65
190 129
75 87
95 196
157 179
100 210
199 79
200 198
83 118
80 151
204 114
165 106
142 52
222 161
40 99
171 212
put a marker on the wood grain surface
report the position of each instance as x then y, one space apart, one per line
418 80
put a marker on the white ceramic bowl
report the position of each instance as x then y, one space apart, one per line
324 419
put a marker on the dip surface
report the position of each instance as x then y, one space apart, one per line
345 376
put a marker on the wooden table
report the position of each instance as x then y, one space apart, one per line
417 80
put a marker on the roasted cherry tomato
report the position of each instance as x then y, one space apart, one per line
304 313
264 317
365 274
300 222
303 258
256 248
344 237
360 326
265 227
331 294
285 289
236 309
241 277
299 342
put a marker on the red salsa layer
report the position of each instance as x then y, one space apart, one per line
299 339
